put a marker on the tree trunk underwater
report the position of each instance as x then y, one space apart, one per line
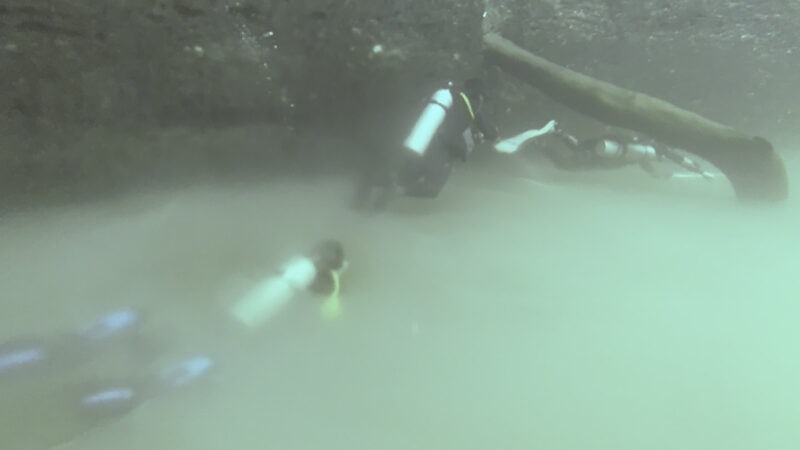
753 167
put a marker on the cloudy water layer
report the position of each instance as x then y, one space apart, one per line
524 308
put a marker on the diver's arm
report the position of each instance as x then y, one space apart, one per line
568 139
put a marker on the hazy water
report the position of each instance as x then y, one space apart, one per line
609 311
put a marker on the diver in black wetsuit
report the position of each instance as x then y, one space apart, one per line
451 124
612 152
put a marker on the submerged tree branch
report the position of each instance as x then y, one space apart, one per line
754 168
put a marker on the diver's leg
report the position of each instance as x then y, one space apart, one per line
425 178
374 185
365 185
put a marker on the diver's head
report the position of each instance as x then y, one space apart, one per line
328 255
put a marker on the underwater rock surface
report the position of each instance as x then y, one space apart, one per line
77 70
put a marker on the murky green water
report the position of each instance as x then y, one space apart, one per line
507 314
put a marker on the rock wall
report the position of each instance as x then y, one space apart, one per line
77 74
731 60
156 62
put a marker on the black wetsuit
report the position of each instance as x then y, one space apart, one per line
425 175
583 154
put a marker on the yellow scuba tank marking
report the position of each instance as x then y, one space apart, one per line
332 307
469 105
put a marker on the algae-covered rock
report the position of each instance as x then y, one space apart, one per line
74 69
158 62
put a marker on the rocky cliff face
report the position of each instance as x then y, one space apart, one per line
74 69
156 62
732 60
81 77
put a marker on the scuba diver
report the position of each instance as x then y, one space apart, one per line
57 387
452 122
612 152
316 272
606 152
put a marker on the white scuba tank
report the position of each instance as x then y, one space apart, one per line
303 273
270 295
429 121
630 153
